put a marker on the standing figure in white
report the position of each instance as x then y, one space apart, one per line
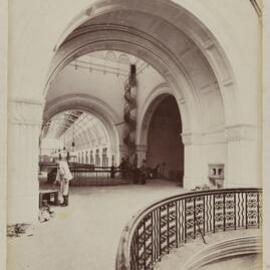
63 177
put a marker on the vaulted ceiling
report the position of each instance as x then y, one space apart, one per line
82 128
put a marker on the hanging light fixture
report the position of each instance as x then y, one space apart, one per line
64 148
73 139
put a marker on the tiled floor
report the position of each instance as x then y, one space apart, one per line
86 234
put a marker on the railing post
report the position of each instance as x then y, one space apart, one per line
246 210
204 215
160 236
176 223
234 200
144 246
214 213
194 217
168 229
224 212
258 209
185 220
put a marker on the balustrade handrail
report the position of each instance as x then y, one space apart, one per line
167 223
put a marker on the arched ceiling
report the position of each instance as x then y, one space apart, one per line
109 61
167 38
76 126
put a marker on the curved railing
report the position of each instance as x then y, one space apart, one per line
173 221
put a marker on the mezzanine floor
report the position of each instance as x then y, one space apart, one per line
86 234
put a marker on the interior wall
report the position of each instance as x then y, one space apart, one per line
164 140
105 86
40 41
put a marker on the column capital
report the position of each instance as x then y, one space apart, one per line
241 132
24 111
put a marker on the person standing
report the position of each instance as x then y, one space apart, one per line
63 177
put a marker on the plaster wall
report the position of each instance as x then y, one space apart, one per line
107 87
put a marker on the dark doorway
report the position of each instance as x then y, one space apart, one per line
165 147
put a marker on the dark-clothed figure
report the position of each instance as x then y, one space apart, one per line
112 171
123 168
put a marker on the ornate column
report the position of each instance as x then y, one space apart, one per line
244 157
24 128
194 169
130 114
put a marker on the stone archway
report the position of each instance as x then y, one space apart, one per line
162 136
94 106
99 18
93 29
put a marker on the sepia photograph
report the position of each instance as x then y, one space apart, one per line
133 135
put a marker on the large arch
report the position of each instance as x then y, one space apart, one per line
184 52
92 105
201 23
97 35
148 107
181 49
163 144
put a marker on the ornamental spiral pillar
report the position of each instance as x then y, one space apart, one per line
130 114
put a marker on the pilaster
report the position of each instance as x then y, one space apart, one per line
243 156
194 160
24 128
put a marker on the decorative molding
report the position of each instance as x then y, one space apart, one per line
209 138
234 133
243 132
191 138
209 44
208 88
214 137
26 112
28 101
227 82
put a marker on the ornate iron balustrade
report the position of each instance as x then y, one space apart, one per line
171 222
